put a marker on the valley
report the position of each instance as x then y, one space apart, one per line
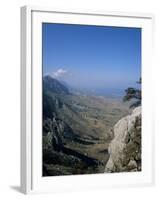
77 129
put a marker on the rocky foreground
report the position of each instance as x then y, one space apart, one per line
123 153
125 148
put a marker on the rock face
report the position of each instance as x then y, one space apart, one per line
125 148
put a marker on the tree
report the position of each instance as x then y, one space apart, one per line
134 95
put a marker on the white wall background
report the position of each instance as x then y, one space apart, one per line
10 96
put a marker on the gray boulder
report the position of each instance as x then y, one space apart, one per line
125 148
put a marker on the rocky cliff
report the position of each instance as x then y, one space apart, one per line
125 148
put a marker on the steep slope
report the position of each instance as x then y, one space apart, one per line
61 127
125 148
53 85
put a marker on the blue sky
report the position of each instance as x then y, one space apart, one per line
92 57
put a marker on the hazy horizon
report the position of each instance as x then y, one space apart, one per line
99 58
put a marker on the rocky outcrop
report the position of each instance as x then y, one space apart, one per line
58 158
125 148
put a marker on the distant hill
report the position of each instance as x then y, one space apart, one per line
53 85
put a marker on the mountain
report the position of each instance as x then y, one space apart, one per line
53 85
62 128
125 148
76 129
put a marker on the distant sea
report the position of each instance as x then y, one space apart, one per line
117 93
107 92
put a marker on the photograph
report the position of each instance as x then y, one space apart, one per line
91 99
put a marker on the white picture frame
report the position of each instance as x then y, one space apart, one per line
31 105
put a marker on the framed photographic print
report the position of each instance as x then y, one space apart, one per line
86 100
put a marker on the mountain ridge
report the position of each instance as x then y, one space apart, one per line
53 85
